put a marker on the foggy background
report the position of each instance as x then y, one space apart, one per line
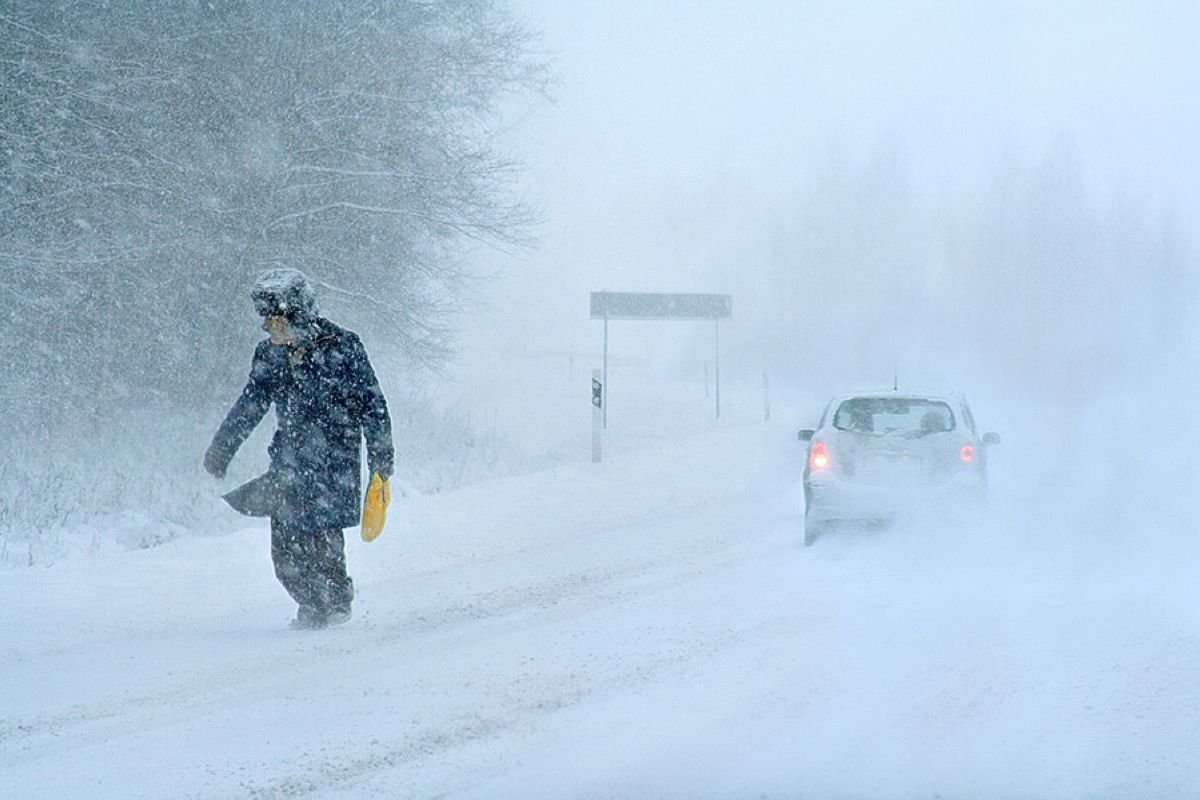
992 197
991 194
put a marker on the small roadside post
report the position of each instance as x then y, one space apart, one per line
766 397
597 421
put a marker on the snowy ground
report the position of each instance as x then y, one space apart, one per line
649 627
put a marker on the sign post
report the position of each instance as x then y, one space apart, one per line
717 358
647 306
604 378
597 404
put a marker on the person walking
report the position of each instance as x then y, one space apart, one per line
327 400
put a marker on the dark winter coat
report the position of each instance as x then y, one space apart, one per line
326 400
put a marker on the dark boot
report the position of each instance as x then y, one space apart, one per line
308 618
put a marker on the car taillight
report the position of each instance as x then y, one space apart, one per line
967 453
818 457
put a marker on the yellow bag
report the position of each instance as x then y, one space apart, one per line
375 508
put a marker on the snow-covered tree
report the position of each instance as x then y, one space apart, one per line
155 157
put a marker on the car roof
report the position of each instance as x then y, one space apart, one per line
906 394
955 399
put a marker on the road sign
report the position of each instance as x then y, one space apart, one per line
640 305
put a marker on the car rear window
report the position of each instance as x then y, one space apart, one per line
894 415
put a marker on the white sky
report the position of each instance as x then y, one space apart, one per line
677 125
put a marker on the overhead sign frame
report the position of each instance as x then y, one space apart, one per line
658 306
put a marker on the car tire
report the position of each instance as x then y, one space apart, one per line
812 530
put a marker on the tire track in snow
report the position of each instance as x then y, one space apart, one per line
521 710
455 619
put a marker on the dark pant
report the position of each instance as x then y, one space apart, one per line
312 567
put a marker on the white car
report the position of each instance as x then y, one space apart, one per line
879 454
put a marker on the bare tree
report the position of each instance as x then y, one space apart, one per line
154 157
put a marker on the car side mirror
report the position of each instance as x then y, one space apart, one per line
991 438
806 434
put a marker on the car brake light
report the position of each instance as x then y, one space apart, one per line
967 453
819 457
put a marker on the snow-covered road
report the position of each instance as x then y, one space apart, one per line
651 627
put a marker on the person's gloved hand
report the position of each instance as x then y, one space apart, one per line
375 508
215 462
